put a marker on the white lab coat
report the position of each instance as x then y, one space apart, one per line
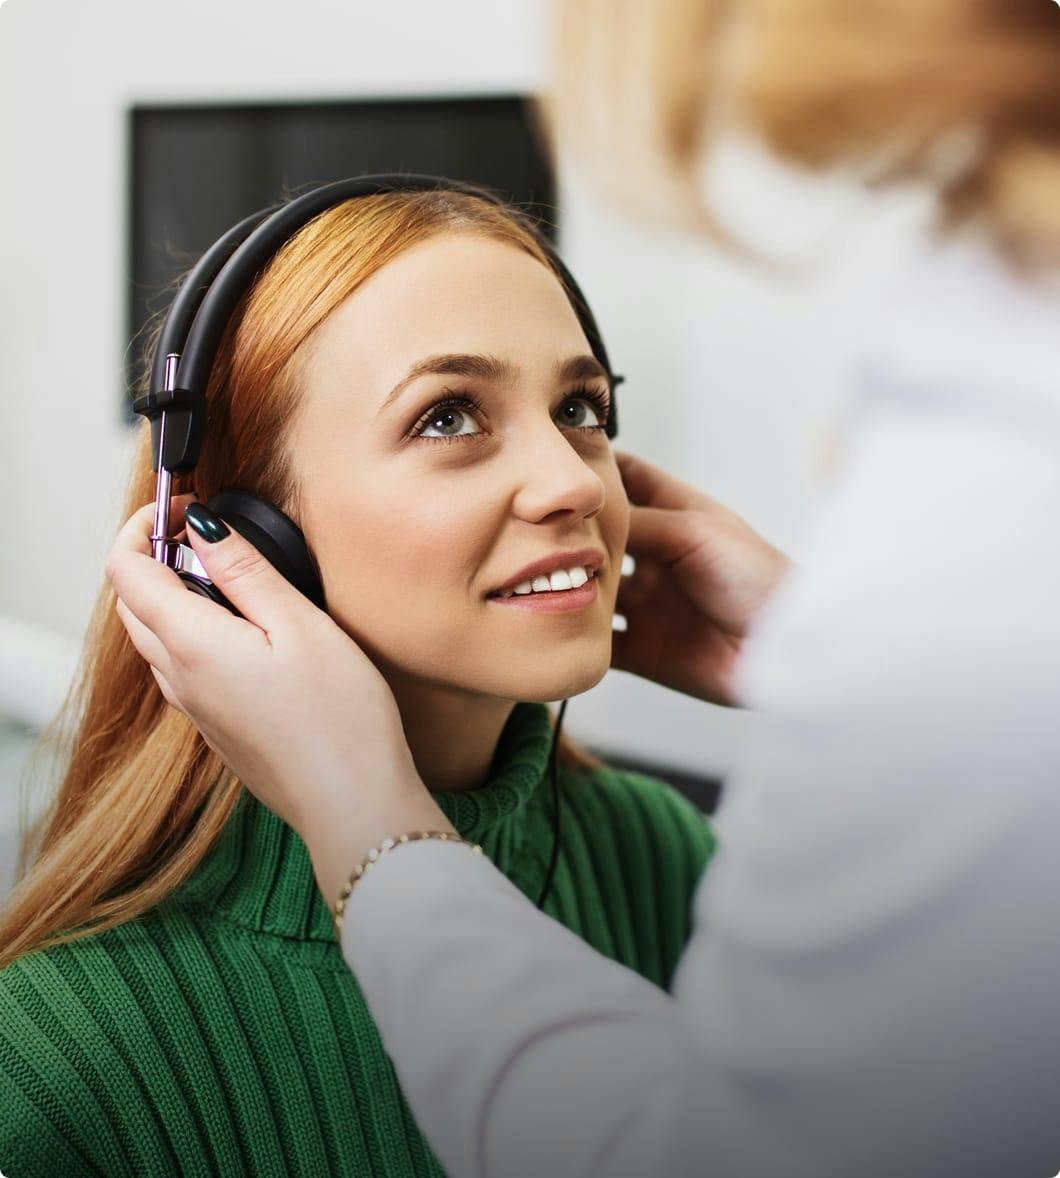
873 985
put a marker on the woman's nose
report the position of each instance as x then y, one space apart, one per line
555 480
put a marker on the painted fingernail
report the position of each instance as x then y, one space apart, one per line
208 525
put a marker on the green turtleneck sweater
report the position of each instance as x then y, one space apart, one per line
222 1033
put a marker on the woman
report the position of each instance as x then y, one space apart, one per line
871 987
409 380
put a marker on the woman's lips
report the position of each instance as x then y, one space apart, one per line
553 601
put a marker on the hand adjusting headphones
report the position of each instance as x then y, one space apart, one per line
180 372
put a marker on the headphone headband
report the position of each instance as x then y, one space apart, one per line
199 314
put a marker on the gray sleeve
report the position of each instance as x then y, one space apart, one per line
871 988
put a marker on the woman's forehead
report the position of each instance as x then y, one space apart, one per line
457 294
459 274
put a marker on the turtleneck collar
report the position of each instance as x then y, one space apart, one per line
260 875
520 763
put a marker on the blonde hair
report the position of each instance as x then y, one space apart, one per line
964 94
142 798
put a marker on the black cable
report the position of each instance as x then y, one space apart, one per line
553 755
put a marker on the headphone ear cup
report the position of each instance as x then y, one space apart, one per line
207 589
276 536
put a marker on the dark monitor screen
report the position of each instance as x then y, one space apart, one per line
197 170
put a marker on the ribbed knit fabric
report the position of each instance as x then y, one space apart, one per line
222 1033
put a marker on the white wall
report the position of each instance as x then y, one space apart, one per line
710 350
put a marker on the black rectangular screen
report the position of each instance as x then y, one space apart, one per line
197 170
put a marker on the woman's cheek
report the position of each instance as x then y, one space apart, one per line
616 512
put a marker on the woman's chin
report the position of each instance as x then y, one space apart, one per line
525 674
555 683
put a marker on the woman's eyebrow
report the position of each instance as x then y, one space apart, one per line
485 367
580 368
481 367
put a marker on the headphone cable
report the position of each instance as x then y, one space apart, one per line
550 874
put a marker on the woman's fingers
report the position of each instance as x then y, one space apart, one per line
650 486
135 534
633 593
151 650
167 690
662 533
153 592
146 641
260 593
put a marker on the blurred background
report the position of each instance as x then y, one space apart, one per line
132 134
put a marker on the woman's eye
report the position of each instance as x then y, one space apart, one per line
449 422
579 413
459 417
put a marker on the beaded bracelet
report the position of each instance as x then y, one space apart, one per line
377 853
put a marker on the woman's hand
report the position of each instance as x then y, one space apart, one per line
291 704
701 576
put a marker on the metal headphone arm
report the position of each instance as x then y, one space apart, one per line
172 553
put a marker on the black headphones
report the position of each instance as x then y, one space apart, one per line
185 355
187 349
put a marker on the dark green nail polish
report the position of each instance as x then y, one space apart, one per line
208 525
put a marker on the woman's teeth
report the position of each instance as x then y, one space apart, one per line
573 578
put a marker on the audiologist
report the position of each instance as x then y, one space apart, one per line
873 983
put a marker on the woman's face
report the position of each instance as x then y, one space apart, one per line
445 443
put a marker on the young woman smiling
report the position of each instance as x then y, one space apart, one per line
871 986
409 381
